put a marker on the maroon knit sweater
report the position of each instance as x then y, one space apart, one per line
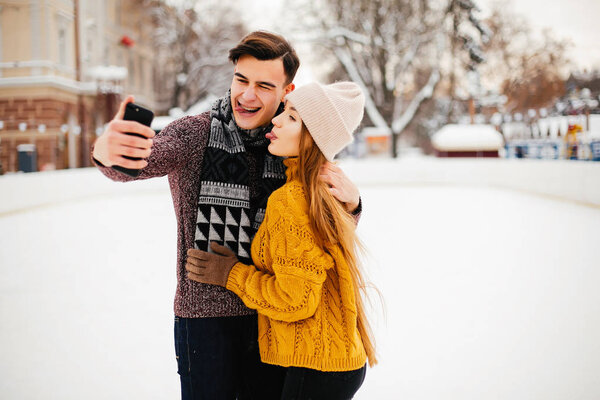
178 152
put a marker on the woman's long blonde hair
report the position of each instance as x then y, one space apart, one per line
334 226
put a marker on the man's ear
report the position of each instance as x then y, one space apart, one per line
288 89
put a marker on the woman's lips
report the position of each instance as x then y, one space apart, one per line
270 136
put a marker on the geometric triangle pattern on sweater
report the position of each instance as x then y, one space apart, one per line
228 226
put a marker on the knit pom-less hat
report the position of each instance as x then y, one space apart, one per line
330 112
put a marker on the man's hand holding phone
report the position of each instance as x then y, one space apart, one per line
125 143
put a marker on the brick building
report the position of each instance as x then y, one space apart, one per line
57 89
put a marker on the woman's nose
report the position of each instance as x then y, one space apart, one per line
275 121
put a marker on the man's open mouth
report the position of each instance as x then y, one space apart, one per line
244 109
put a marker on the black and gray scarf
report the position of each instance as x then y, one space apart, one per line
238 176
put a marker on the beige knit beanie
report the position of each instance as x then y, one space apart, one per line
330 112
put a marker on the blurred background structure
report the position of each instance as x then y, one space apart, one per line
65 65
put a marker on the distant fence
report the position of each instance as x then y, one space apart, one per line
554 149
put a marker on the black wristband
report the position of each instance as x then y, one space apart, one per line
100 164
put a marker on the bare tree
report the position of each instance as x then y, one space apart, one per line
530 70
390 48
192 42
397 50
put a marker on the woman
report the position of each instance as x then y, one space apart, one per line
306 280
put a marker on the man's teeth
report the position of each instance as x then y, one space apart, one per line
250 109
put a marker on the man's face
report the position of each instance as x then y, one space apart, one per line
257 89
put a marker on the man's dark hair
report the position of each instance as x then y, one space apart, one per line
264 46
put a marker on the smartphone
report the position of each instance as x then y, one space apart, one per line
134 112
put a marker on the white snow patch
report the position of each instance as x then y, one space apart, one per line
456 137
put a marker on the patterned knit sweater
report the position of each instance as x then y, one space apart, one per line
304 296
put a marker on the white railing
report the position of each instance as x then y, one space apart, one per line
38 64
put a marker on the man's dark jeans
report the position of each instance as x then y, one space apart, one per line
218 359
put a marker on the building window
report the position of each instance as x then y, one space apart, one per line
117 5
106 56
142 68
62 46
132 74
89 48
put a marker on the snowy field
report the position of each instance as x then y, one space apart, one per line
489 294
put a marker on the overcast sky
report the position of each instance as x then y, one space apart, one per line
577 20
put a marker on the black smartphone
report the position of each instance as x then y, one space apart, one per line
134 112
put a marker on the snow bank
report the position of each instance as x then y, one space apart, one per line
568 180
575 181
22 191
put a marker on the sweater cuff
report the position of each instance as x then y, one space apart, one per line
234 275
98 163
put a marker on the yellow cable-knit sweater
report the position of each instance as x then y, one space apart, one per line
304 296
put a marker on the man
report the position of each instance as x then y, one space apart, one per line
221 176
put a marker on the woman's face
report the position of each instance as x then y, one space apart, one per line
287 129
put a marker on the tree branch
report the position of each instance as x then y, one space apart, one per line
370 105
425 93
340 32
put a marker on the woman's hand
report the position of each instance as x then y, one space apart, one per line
340 186
210 268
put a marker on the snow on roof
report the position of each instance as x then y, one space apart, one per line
455 137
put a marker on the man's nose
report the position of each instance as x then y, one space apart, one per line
249 94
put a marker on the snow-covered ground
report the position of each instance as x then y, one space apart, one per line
489 294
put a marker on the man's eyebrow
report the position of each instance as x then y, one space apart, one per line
266 84
259 82
293 109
